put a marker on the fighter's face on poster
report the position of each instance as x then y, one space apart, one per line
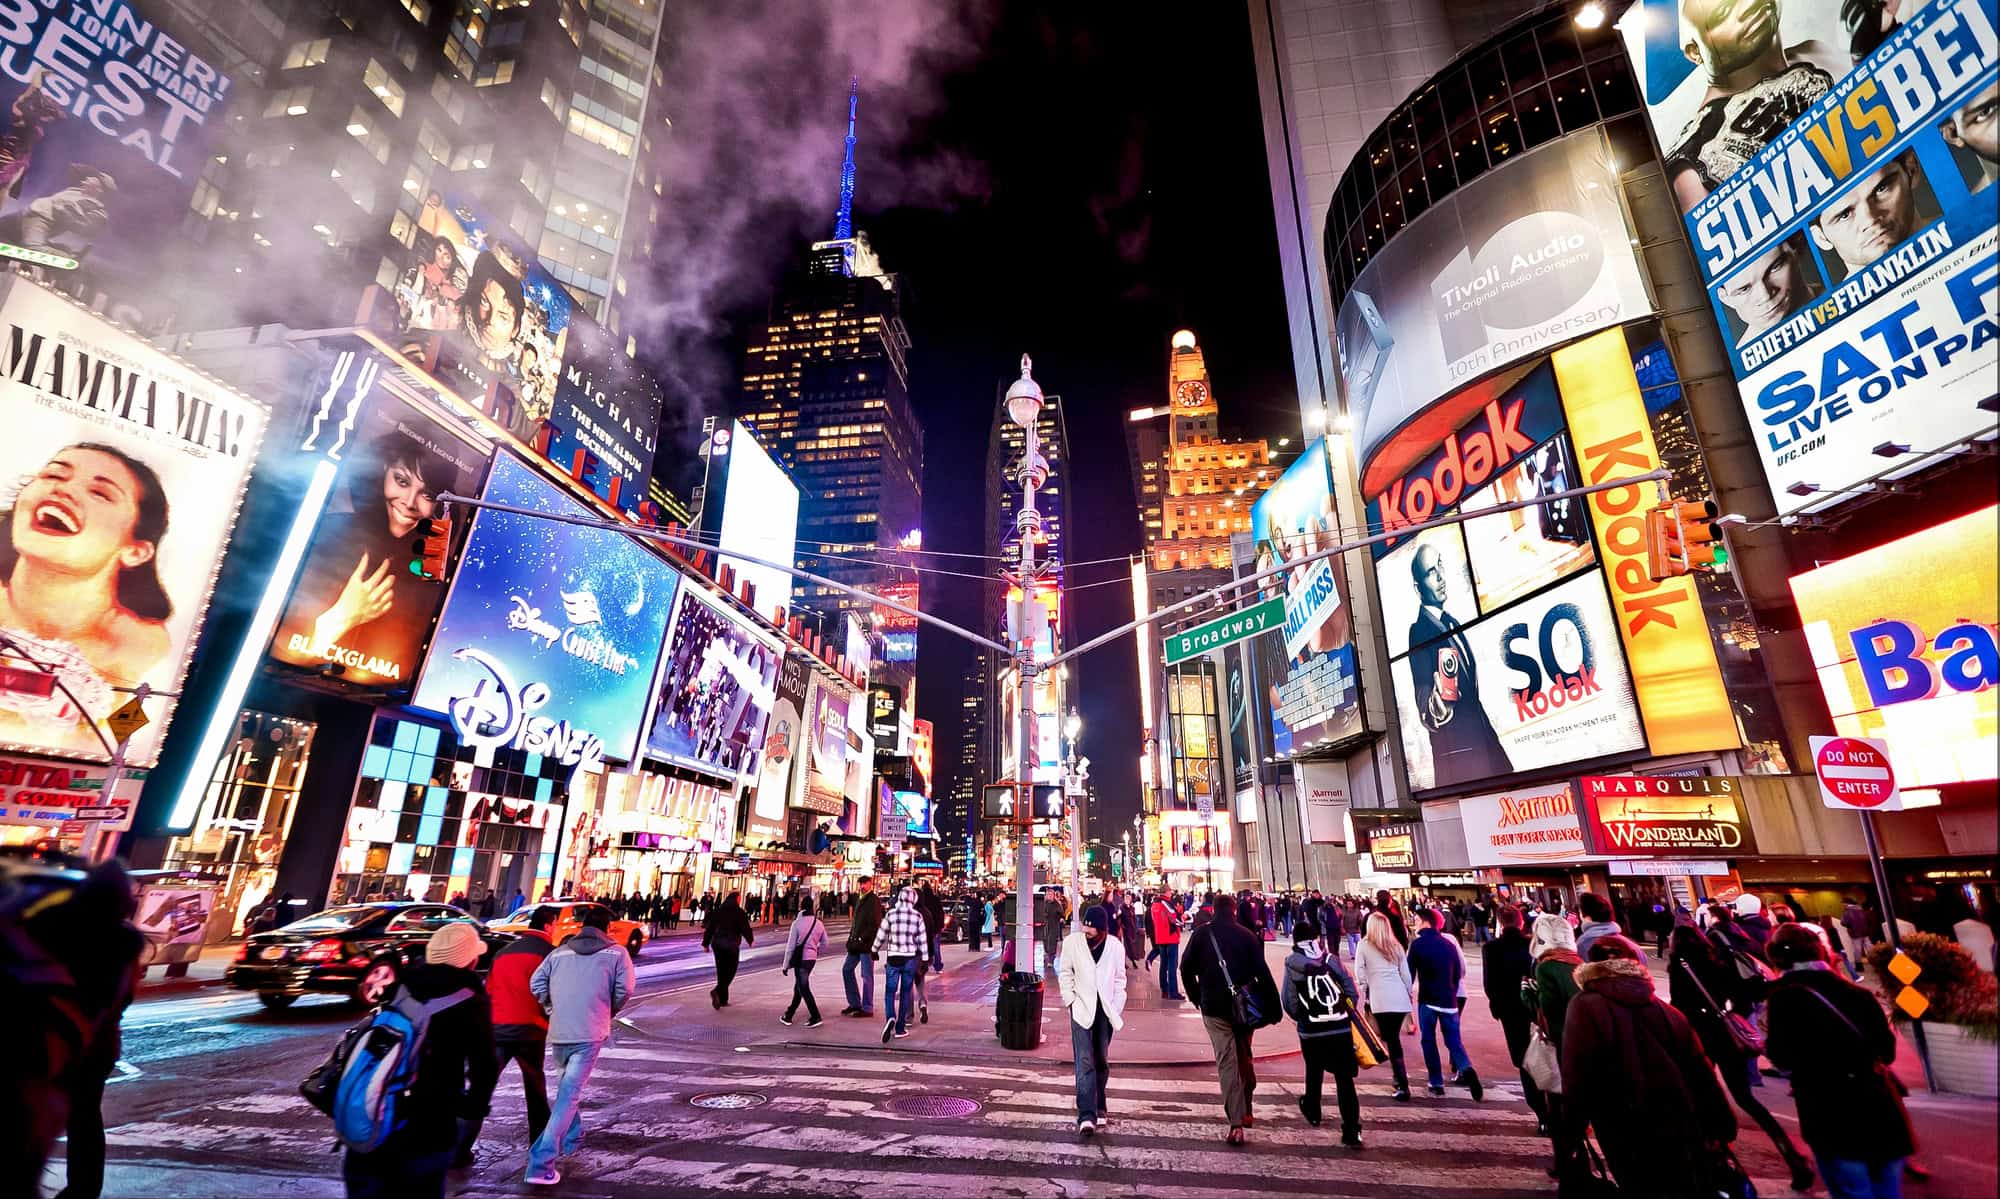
1976 125
1727 35
1875 216
1768 289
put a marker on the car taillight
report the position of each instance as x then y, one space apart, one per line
322 951
243 952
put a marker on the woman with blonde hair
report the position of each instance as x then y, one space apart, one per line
1383 970
1546 993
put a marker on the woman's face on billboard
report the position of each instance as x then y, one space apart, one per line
407 497
77 515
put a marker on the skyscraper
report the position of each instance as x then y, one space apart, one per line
826 389
975 752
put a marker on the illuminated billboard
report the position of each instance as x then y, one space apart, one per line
760 517
125 472
1834 163
357 605
915 809
1691 816
717 686
1307 668
1902 637
551 634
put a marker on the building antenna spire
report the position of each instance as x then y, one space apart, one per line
843 221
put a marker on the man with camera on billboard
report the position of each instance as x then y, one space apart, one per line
1463 743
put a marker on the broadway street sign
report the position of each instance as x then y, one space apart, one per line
1226 630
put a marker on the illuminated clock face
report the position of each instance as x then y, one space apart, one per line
1193 394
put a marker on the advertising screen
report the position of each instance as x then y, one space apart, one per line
781 773
915 809
124 470
1834 163
1315 694
107 117
717 687
826 741
474 307
1426 586
760 517
1533 685
548 622
899 629
1515 552
923 752
1694 816
1529 256
1523 826
1243 765
1394 847
1902 637
356 604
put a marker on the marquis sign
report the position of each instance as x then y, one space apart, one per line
1666 816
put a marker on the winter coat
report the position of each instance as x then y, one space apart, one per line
867 919
1720 983
1354 919
1849 1105
516 1014
1438 969
1758 928
1223 942
1318 995
1554 977
1166 923
1387 982
1634 1070
582 984
1505 964
1089 985
457 1069
1589 931
727 928
808 937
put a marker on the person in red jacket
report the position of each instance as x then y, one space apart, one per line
520 1026
1166 917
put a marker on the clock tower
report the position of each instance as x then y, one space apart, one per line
1189 395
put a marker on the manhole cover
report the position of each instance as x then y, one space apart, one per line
933 1107
728 1100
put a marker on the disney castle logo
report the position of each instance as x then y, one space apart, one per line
498 715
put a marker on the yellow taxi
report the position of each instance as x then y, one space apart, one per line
569 921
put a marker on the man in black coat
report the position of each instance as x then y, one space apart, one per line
1218 957
1463 743
1507 961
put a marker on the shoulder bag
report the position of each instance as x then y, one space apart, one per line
1369 1048
1742 1034
1542 1062
1245 1007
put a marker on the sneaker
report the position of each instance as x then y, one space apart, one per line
1249 1120
1085 1128
1103 1123
1351 1138
1469 1079
1309 1118
1235 1136
888 1030
923 1013
1435 1092
902 1034
785 1020
811 1023
547 1178
849 1011
1402 1095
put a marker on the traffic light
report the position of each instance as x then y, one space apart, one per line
1702 547
1666 556
431 547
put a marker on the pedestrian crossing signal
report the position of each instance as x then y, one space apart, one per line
431 547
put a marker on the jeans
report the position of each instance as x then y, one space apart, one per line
565 1127
1847 1178
1429 1020
1479 936
802 991
1237 1073
534 1081
726 961
937 952
1353 945
1170 969
899 984
392 1173
1333 1055
861 995
1091 1047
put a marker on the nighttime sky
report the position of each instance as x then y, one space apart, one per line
1108 187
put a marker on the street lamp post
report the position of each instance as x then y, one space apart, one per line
1024 408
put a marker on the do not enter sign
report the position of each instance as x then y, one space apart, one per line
1854 773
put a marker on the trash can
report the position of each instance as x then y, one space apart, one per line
1017 1014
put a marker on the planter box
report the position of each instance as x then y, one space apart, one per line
1964 1065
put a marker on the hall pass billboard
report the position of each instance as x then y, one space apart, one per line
1902 638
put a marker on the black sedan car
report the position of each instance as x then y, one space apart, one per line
358 950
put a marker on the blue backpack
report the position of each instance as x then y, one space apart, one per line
372 1068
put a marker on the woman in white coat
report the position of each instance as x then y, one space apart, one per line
1090 973
1383 971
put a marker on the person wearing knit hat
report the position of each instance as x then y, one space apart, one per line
1092 984
455 944
455 1076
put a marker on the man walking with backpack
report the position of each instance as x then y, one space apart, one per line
1226 976
520 1026
452 1084
581 985
1319 997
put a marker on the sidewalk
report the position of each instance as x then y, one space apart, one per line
1157 1032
